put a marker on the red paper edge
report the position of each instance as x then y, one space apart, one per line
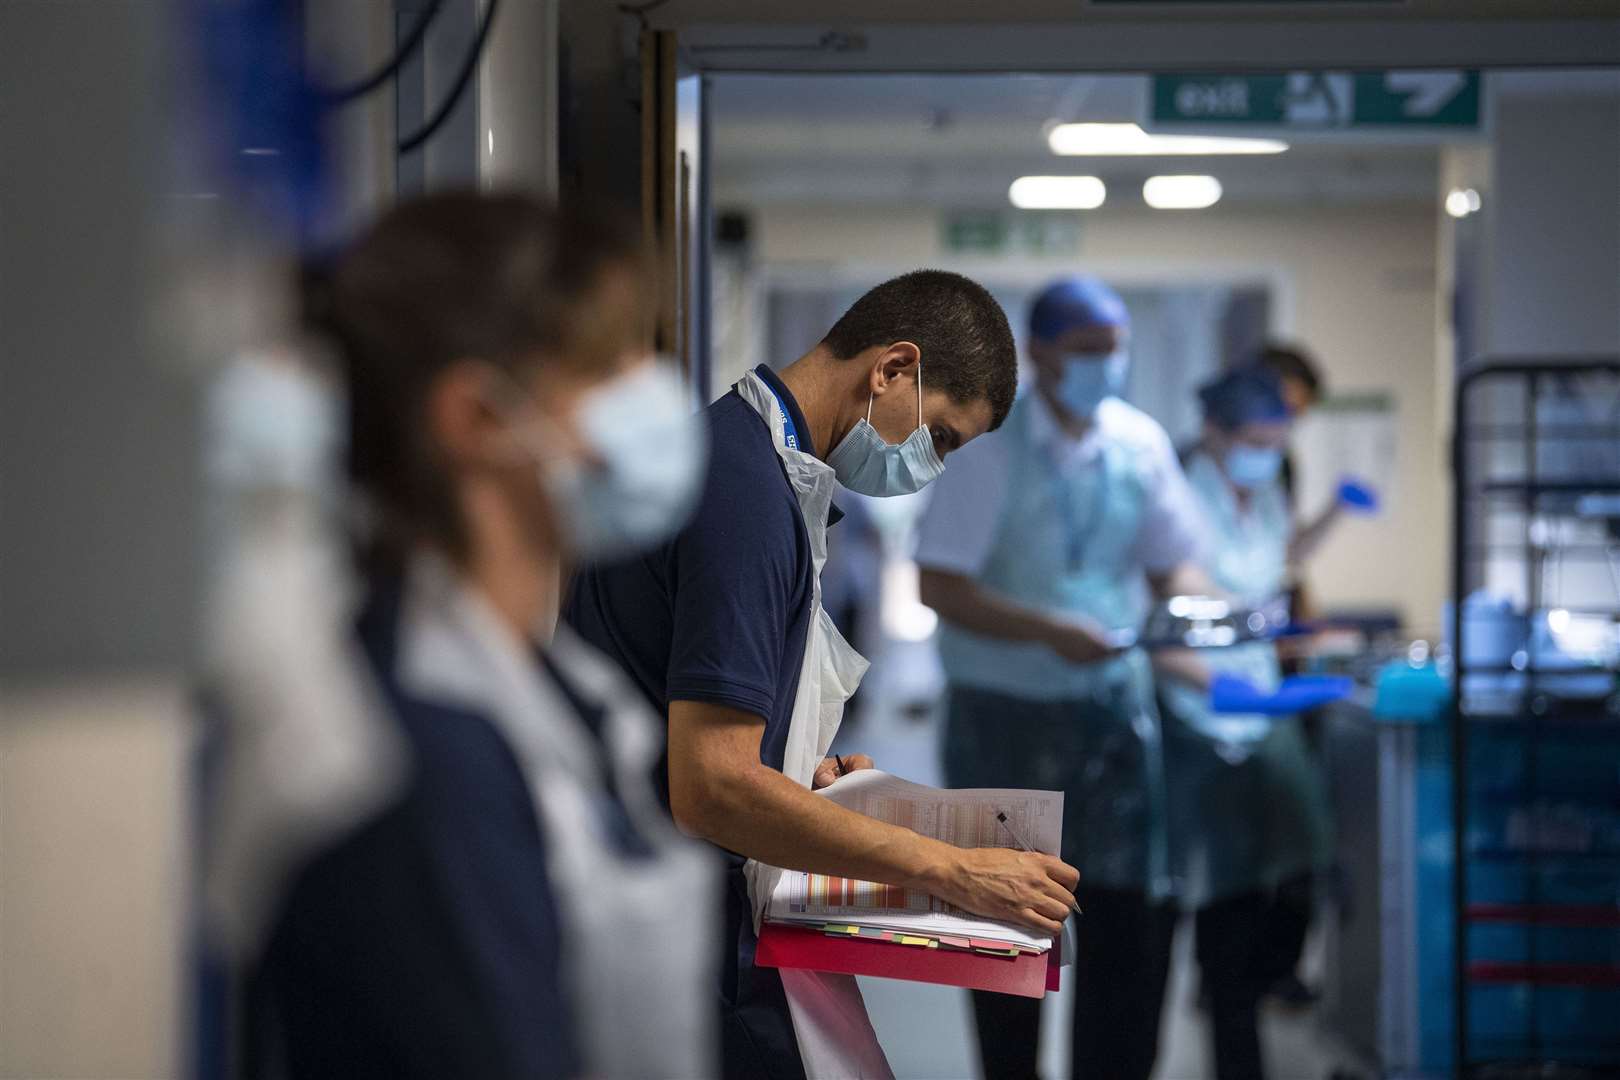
800 947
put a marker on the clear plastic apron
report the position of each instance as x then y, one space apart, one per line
835 1036
1250 807
639 936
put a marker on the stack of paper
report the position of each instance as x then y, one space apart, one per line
965 818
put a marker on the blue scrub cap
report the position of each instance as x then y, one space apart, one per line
1075 303
1244 396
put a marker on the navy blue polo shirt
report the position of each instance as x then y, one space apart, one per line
721 613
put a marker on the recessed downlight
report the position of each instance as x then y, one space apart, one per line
1181 192
1057 192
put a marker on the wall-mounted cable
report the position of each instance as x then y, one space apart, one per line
463 77
342 95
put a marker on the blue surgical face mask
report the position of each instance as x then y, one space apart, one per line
865 463
647 450
1088 378
1251 467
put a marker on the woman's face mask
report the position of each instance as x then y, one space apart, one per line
641 473
1250 467
1089 378
865 463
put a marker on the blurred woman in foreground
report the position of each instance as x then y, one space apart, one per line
521 907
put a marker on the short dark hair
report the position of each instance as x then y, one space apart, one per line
503 277
960 329
1294 362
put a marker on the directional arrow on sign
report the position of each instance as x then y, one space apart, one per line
1427 92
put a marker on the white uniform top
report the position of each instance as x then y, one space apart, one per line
1070 526
963 518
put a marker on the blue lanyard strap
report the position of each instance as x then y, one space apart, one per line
790 430
1078 533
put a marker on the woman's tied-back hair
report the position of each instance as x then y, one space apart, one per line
1294 362
497 277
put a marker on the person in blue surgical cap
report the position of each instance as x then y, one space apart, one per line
1303 388
1041 549
1249 812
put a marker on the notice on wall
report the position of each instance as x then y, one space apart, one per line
1346 435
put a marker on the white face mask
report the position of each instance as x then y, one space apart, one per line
650 449
865 463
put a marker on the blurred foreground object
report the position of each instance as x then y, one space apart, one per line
300 749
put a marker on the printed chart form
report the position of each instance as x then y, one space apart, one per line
964 817
822 893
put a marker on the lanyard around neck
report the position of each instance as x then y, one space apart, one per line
1078 531
790 430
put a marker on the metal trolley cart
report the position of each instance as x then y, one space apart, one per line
1535 726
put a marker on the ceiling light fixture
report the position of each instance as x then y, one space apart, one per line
1181 192
1129 140
1057 192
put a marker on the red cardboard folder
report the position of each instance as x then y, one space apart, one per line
799 947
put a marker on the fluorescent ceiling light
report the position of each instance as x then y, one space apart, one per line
1129 140
1181 192
1057 193
1460 202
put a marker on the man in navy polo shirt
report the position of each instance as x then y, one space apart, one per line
721 630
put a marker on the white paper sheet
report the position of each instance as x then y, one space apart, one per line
964 817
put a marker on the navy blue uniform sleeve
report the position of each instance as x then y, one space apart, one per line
738 575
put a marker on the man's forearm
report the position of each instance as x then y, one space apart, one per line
766 816
963 602
720 791
1183 579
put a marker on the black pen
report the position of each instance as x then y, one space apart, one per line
1018 838
841 770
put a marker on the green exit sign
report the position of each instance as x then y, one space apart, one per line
1321 100
995 232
